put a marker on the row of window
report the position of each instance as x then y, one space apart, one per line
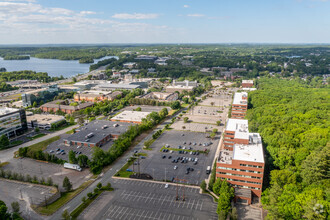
244 181
233 174
229 142
248 165
241 186
248 171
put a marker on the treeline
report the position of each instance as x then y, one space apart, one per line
8 174
101 63
16 57
4 87
39 155
102 158
293 120
27 75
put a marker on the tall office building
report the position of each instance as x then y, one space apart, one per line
12 121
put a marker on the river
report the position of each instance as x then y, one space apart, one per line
53 67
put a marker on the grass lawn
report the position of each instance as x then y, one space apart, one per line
37 136
122 172
43 144
70 132
15 143
65 197
3 164
185 105
75 213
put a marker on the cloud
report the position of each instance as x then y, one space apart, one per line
196 15
136 16
186 6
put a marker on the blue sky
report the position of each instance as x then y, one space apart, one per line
159 21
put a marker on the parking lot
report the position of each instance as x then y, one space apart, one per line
194 127
25 194
163 168
43 169
133 199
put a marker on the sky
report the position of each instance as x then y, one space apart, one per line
159 21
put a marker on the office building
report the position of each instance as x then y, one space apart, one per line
96 96
239 106
12 121
43 121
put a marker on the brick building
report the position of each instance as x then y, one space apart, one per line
241 161
239 106
247 83
61 105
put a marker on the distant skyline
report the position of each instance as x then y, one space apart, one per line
171 21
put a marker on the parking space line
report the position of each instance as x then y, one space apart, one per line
119 211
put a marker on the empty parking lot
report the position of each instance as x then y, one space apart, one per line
148 200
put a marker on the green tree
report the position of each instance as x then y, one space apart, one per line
67 184
185 119
15 207
99 185
218 123
3 211
35 104
72 157
66 215
217 186
4 141
176 105
82 160
203 185
74 79
138 109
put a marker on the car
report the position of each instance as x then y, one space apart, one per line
51 151
79 152
186 152
58 152
196 159
182 134
171 151
182 161
195 143
176 161
184 142
195 162
197 153
184 148
163 156
194 153
191 169
189 143
187 172
189 159
63 153
175 167
136 151
143 157
129 170
58 149
78 147
179 147
166 186
169 157
191 152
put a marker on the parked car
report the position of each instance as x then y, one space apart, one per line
166 186
175 167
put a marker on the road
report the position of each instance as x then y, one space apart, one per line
104 178
6 155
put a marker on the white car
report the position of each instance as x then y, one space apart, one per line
175 167
166 186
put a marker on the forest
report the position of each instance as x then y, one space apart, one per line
292 117
27 75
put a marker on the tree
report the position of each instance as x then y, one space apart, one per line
37 129
203 185
99 185
4 141
74 79
212 103
50 181
138 109
66 215
176 105
233 214
82 160
67 184
81 121
15 207
3 211
218 123
185 119
217 186
72 157
34 104
83 199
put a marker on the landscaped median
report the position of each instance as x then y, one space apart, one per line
65 197
123 171
91 197
177 149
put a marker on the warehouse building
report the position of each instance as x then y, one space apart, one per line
96 133
130 117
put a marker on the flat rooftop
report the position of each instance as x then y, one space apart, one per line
132 116
180 87
238 98
252 152
247 81
117 86
5 110
44 119
95 127
239 126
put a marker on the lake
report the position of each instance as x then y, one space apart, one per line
53 67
